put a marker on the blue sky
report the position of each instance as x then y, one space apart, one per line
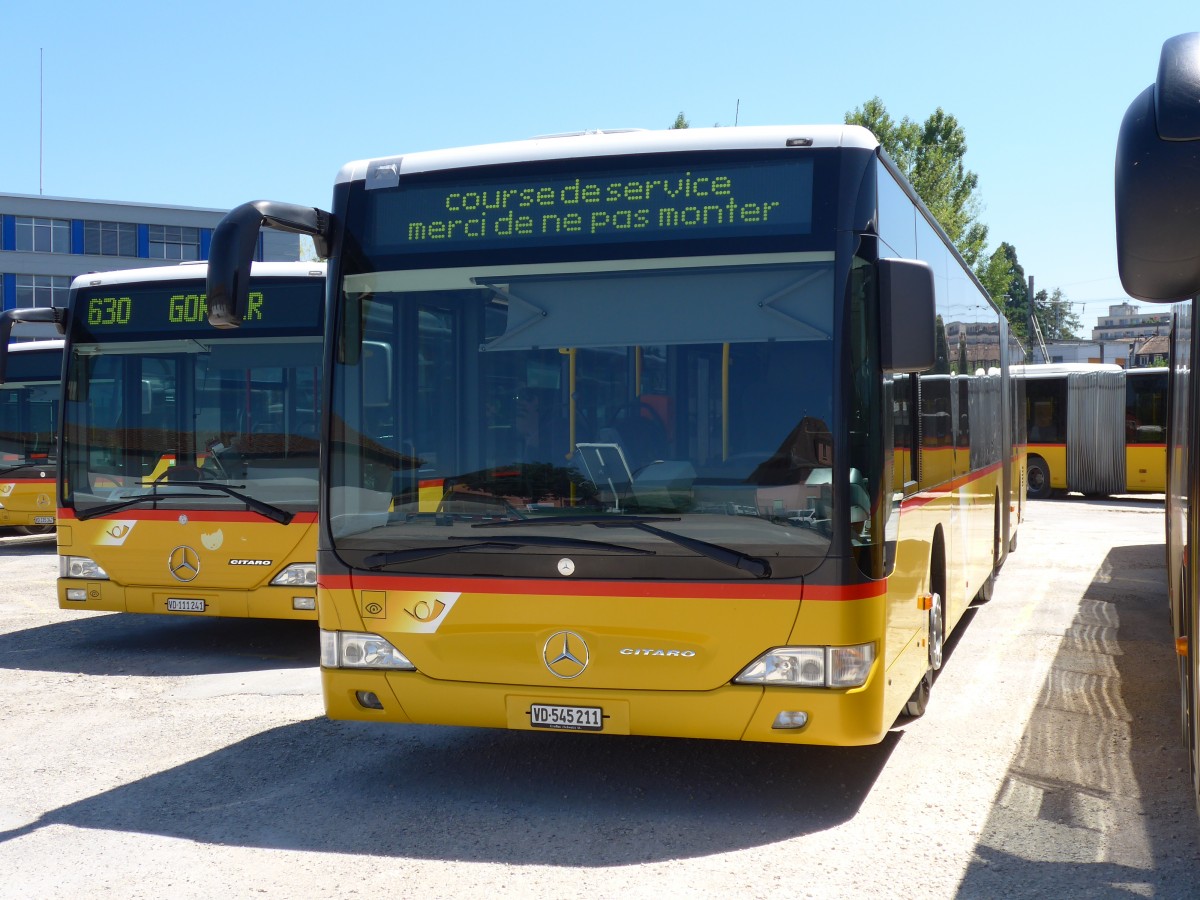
212 104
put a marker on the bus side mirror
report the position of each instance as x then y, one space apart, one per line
1158 180
907 315
55 315
234 243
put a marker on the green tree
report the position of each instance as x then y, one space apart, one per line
931 157
681 121
1009 287
1055 317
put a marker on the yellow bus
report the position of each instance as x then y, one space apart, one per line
188 480
29 391
1095 428
1157 191
611 442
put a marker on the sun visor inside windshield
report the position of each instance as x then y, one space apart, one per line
785 304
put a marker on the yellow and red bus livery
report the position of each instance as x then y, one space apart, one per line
189 453
29 394
697 433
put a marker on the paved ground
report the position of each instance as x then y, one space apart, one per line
150 757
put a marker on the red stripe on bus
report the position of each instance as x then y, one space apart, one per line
941 491
196 515
685 589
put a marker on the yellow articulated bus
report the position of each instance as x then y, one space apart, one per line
612 442
188 454
1095 428
30 383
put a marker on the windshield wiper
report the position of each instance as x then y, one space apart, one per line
267 510
391 557
25 465
755 565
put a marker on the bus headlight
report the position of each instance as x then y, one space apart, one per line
359 650
297 575
834 667
79 567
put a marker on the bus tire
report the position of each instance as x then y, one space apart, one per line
35 529
919 701
984 594
1038 484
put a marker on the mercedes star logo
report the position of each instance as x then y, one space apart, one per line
565 654
184 563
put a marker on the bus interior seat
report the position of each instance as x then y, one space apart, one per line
640 434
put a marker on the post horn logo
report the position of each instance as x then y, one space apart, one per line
424 611
184 563
565 654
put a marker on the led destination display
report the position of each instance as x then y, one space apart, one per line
166 309
684 202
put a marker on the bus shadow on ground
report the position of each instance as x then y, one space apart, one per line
1098 796
27 545
146 645
489 796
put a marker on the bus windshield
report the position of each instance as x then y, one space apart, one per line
192 418
28 421
479 413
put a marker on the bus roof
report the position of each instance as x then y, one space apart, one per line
35 346
193 270
617 143
1051 370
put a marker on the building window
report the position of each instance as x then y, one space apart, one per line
174 242
109 238
42 290
43 235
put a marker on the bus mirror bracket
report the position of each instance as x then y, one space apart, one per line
56 315
907 314
234 243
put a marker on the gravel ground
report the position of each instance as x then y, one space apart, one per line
152 757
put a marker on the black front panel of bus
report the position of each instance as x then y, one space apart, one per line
178 310
33 365
644 206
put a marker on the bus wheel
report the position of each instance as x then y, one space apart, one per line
917 703
1038 479
984 594
36 529
919 700
937 632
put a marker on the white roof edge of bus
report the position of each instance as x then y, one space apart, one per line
1033 370
620 143
26 346
192 270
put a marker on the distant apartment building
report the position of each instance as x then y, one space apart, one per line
46 241
1125 322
